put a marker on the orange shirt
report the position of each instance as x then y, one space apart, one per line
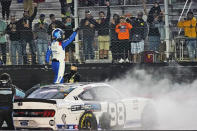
189 27
123 30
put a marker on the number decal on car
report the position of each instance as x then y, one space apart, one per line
113 114
117 114
121 113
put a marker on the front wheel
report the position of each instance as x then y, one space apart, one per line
88 122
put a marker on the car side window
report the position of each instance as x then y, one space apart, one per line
87 95
105 93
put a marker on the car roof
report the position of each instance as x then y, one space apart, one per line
75 85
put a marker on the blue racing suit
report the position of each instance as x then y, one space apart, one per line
57 50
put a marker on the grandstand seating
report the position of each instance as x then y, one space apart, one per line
53 6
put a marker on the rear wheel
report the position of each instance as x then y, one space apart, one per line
88 122
149 118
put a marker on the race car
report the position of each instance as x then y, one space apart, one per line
80 106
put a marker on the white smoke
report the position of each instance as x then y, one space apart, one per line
176 103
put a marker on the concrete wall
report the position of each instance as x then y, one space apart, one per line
27 76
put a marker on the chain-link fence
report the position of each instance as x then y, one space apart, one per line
114 34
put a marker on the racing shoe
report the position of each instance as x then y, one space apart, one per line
121 61
126 60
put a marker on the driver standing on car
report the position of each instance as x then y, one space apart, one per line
57 50
7 93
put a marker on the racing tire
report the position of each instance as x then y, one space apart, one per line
88 121
149 119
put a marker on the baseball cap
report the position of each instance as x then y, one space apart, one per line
88 12
42 15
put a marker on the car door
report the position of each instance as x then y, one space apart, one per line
115 107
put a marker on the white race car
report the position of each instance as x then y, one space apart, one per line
82 106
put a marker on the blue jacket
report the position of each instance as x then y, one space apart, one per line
59 53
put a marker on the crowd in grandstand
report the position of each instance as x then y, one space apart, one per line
122 36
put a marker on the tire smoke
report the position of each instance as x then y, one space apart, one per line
175 102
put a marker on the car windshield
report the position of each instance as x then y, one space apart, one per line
51 92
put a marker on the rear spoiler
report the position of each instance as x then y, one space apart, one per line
35 100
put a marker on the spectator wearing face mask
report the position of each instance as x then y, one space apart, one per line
73 76
26 34
14 35
41 37
54 24
69 25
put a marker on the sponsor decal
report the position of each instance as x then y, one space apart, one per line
61 126
24 123
86 107
70 127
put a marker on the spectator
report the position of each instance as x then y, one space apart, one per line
161 27
28 5
154 35
88 35
6 8
73 76
138 35
114 37
65 4
69 25
41 36
26 34
3 40
54 24
14 35
189 26
155 9
102 25
123 29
